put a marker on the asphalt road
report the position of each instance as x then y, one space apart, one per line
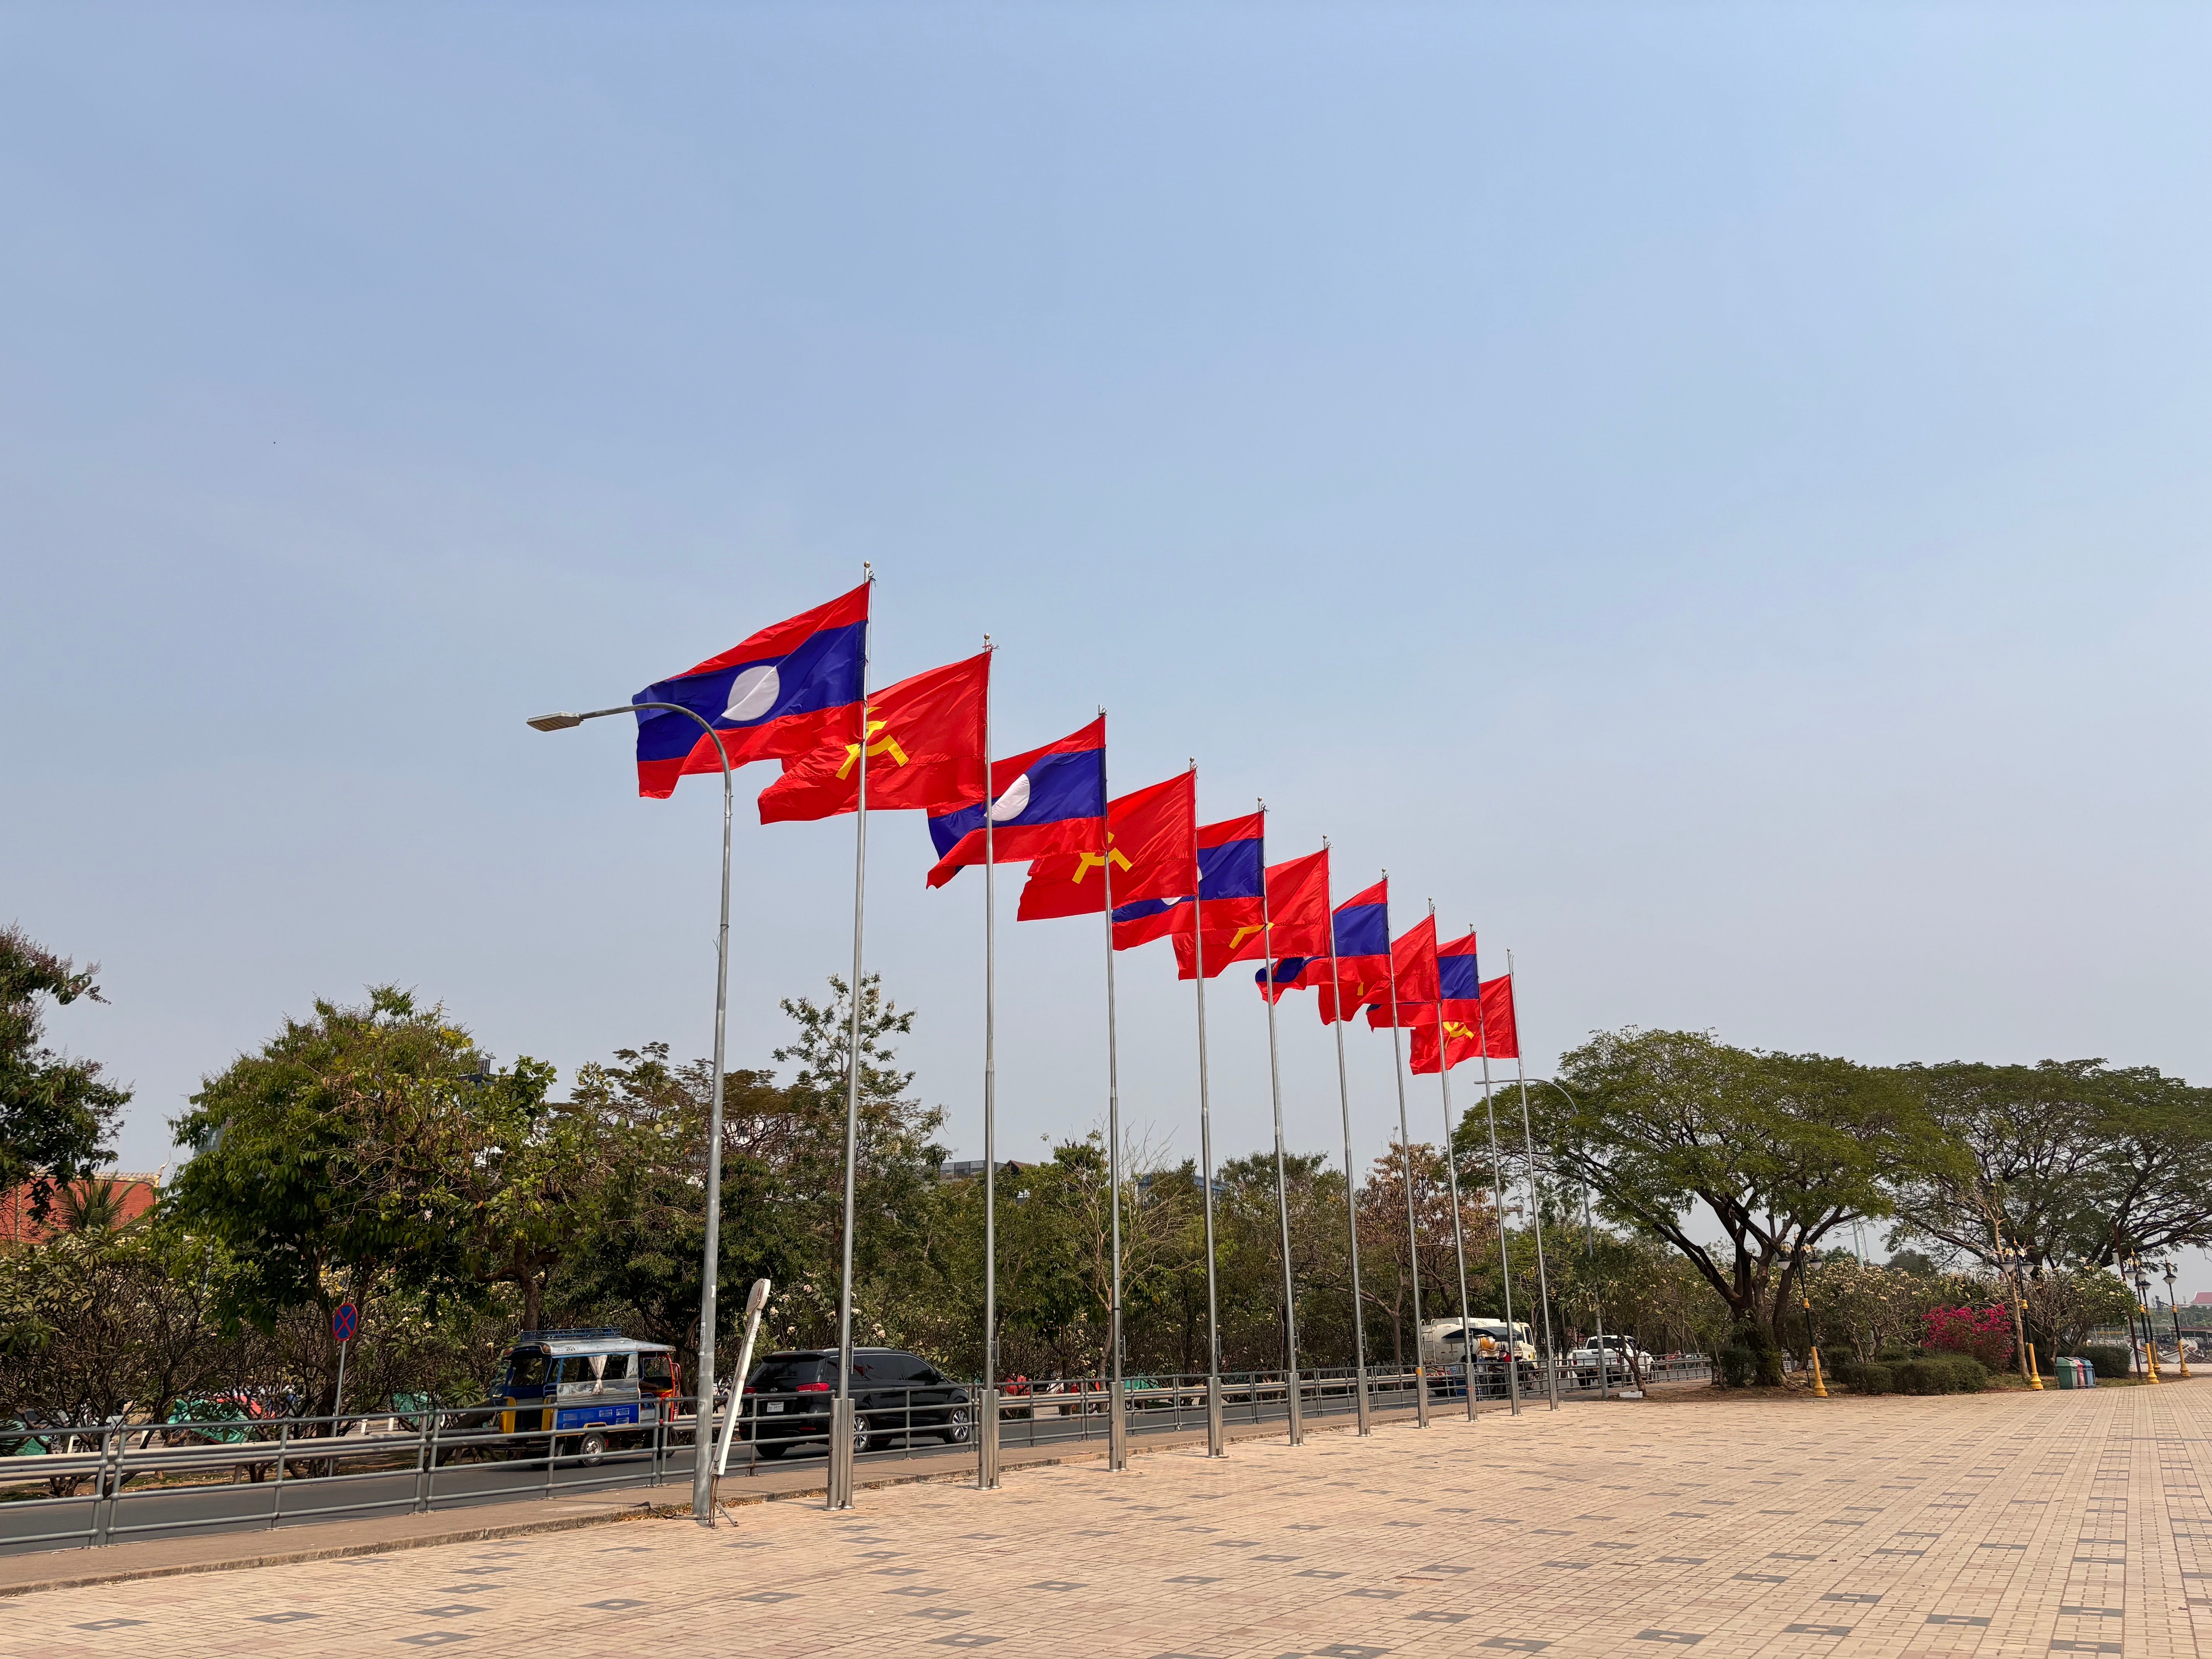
220 1504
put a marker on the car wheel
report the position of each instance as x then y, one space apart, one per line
957 1426
770 1449
591 1450
865 1437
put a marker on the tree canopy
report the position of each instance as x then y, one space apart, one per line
56 1113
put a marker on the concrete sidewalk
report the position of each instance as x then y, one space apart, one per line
326 1541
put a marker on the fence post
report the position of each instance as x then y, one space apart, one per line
277 1493
107 1489
426 1460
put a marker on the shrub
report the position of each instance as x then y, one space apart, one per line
1737 1363
1984 1333
1862 1376
2108 1359
1940 1373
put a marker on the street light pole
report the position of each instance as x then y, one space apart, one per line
702 1435
2174 1307
2134 1268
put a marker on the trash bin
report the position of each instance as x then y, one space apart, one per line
2062 1373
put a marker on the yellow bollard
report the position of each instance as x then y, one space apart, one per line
1820 1389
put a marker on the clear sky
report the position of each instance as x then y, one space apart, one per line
1715 496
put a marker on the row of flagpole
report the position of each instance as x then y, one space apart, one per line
748 691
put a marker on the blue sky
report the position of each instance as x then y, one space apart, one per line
1714 496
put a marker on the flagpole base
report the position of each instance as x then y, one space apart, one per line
1294 1393
1466 1372
1215 1443
987 1439
840 1454
1421 1397
1117 1433
1365 1407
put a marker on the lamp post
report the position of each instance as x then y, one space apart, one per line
703 1465
2009 1258
2133 1268
1805 1300
2174 1307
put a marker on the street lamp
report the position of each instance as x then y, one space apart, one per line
2133 1268
1805 1296
2174 1307
2009 1258
702 1435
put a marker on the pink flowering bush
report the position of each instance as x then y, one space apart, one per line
1984 1333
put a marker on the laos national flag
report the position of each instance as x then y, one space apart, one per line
1052 799
1415 961
1362 955
1151 838
1298 910
1458 986
778 694
1486 1027
1229 872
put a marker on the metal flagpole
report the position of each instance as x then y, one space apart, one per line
1117 1422
1405 1154
1451 1176
1214 1444
1290 1390
1351 1175
1497 1199
986 1430
842 1429
1535 1202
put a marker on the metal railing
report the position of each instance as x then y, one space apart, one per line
143 1480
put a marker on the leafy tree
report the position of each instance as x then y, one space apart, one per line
56 1113
372 1146
1780 1148
2073 1162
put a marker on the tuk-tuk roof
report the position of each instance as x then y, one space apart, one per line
562 1344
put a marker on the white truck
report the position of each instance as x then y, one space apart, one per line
1624 1363
1446 1344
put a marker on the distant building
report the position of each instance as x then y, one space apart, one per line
968 1169
132 1195
2202 1299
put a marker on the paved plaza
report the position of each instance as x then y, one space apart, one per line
2004 1523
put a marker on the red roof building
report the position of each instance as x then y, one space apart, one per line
135 1194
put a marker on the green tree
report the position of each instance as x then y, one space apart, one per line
1779 1148
56 1113
375 1145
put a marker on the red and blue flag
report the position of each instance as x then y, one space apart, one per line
1228 870
1362 926
781 692
1049 800
1485 1027
1458 987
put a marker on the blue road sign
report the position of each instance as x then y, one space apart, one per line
345 1322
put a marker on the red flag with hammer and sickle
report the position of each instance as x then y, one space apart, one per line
1152 836
924 750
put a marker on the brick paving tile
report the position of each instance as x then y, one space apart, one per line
1984 1526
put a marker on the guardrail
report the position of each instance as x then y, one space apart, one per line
142 1479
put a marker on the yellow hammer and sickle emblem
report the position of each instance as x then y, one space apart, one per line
888 746
1086 862
1243 933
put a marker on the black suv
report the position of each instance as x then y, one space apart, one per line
895 1395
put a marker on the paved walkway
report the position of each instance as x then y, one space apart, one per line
1989 1525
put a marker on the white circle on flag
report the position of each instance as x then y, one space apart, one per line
753 693
1014 802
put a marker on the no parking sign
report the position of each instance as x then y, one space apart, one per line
345 1322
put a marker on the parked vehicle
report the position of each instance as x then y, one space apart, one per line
1485 1342
595 1390
895 1393
1623 1361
